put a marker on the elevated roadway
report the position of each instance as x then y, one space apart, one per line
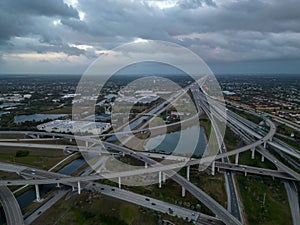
117 193
157 168
168 170
253 170
234 204
292 193
222 213
11 207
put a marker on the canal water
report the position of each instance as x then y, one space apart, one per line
8 105
137 122
38 117
189 144
28 197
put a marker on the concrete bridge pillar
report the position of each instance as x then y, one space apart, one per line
146 165
213 165
188 178
164 179
58 185
119 181
182 192
265 144
262 158
159 179
37 193
253 153
79 187
86 144
237 159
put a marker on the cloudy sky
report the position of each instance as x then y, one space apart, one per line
232 36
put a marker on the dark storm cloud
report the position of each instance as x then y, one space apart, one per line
194 4
242 30
257 15
137 19
218 30
38 7
78 25
245 15
58 48
120 18
22 17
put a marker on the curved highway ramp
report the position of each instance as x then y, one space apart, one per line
11 207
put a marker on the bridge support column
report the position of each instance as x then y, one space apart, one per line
164 178
37 193
265 144
188 178
245 173
119 181
213 165
262 158
182 192
79 187
86 144
38 136
146 165
123 154
58 185
159 179
253 153
237 159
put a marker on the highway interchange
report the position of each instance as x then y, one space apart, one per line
257 142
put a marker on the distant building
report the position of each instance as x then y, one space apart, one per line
110 96
70 126
148 99
102 117
27 96
101 103
228 93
